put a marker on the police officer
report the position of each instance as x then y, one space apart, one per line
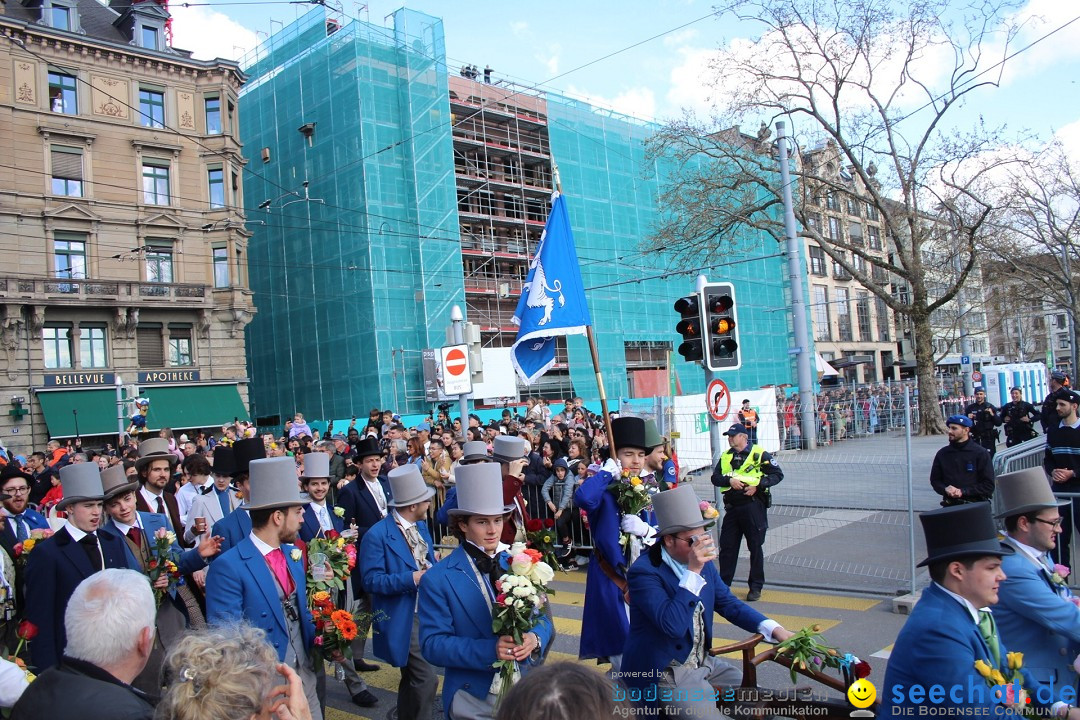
744 475
1049 414
962 471
749 418
1018 417
985 420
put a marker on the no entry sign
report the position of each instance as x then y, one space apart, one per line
456 374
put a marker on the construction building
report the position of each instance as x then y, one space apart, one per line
121 225
387 190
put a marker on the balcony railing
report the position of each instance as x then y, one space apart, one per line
76 291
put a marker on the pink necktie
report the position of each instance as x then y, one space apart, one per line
276 560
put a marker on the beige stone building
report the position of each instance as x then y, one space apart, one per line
854 330
122 237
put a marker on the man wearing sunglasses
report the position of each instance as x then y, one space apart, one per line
1036 613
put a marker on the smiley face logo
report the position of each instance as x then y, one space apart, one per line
862 693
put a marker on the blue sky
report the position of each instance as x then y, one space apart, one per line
530 43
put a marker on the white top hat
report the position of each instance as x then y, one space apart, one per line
80 482
407 487
479 490
316 465
274 484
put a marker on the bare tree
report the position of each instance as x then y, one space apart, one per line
874 84
1038 238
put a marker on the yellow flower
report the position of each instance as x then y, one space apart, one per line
28 545
997 677
1016 660
321 596
635 481
547 538
983 668
339 511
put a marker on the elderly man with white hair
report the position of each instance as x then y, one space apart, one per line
110 633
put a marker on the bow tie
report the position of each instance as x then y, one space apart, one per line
486 564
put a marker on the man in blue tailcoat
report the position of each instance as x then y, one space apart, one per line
1036 612
674 591
951 633
58 564
262 580
605 622
457 595
394 555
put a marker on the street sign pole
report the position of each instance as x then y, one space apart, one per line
456 320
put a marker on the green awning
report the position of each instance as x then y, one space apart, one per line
181 407
186 407
95 412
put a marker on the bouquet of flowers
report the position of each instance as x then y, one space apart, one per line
806 650
632 495
1012 686
330 561
708 512
540 536
335 629
163 560
522 596
22 550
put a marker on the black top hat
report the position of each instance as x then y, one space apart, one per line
367 447
629 432
224 461
961 531
244 451
10 471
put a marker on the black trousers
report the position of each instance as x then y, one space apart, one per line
1069 515
989 442
749 520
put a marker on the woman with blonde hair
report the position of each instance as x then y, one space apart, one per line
230 673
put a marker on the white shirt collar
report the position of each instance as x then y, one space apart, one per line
405 524
317 505
75 533
963 601
151 498
1035 555
122 527
262 547
1073 426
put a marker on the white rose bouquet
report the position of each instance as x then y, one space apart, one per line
522 596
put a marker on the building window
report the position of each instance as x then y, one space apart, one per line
221 267
57 342
67 171
149 37
838 270
69 256
151 108
61 17
1063 343
180 345
854 207
63 97
831 200
843 313
817 261
216 179
871 212
834 228
148 342
213 116
239 267
159 261
822 325
873 237
862 314
882 320
155 175
92 347
855 233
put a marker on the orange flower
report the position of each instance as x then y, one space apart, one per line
340 616
321 597
536 555
348 630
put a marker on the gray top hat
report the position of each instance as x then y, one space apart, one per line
273 484
474 451
114 482
155 449
316 465
678 509
407 487
80 482
1024 491
653 438
508 448
480 490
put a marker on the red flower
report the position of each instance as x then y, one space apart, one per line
536 555
319 624
500 599
862 669
549 523
332 534
18 550
27 630
534 525
152 565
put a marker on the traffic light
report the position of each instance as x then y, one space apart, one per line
721 327
689 308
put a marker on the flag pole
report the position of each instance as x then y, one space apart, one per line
592 350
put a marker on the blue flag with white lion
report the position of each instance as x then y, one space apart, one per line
552 299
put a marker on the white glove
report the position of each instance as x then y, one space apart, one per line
612 467
634 525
